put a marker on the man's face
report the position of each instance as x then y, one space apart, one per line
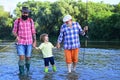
69 23
25 13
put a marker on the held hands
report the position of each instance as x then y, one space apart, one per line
36 48
58 45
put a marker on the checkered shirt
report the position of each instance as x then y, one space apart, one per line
70 36
25 30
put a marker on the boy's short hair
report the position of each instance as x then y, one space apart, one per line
42 37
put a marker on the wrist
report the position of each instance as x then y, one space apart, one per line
34 41
57 42
15 35
34 37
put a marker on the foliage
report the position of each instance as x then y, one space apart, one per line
5 24
103 19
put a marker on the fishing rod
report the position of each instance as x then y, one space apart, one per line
86 34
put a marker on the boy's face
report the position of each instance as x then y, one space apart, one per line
46 38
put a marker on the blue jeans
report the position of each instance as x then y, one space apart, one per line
25 50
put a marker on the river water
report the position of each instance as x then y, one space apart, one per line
101 61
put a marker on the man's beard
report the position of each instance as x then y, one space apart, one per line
69 24
24 17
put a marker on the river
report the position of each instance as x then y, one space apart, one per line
101 61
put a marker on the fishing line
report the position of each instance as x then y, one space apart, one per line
86 36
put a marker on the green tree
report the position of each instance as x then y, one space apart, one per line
5 24
102 19
117 8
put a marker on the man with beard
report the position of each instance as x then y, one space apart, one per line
25 34
69 34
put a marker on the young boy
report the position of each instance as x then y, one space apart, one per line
46 48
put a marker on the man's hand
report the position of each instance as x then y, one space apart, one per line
85 28
58 45
17 38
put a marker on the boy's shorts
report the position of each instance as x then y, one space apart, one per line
71 55
47 60
25 50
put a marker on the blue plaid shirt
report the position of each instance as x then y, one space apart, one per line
70 36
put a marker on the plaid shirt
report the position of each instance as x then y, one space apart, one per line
70 36
25 30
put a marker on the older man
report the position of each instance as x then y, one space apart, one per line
69 34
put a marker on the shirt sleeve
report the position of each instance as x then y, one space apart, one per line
15 29
33 27
80 29
60 37
52 45
41 46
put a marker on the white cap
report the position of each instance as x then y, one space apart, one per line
67 18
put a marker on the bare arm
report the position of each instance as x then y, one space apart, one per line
60 38
15 34
34 40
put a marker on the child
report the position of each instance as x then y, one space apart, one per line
46 48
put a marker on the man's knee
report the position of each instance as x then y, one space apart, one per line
21 62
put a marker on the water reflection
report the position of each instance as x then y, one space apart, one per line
72 76
24 77
48 76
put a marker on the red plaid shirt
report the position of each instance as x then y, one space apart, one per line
25 30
